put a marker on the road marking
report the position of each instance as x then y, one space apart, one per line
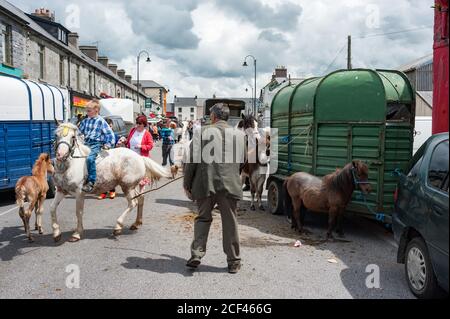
8 211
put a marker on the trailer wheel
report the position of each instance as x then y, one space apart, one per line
51 188
275 197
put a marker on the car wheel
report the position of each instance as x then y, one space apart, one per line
419 270
275 197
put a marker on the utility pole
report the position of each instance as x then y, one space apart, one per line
349 52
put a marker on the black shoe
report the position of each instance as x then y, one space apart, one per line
193 262
88 188
234 268
246 188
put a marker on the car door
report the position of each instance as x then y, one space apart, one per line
438 224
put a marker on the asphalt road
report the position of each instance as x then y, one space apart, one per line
150 263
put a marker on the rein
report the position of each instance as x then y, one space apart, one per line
155 189
357 182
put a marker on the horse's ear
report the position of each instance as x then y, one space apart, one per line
47 157
243 116
355 163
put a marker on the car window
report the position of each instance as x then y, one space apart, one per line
416 168
438 169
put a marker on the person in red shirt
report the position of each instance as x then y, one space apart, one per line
140 140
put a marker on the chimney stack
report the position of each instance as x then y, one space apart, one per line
73 39
44 14
121 74
281 72
128 78
90 51
103 60
113 68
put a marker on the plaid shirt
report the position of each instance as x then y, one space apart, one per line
96 130
166 133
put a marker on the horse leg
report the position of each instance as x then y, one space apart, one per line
340 220
140 210
331 221
296 220
36 209
28 214
260 191
39 212
56 201
76 236
252 191
131 204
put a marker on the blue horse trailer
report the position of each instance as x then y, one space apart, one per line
28 111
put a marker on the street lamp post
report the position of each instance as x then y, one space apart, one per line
138 58
254 90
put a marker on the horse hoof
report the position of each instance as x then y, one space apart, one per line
74 239
117 232
30 240
41 231
134 227
252 208
36 227
57 238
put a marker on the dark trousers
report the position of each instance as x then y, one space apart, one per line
202 224
167 151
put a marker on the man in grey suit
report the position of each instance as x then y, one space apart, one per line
214 179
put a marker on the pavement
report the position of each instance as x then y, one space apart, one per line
150 262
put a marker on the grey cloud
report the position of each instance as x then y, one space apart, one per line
284 17
164 23
271 36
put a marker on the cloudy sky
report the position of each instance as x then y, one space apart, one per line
197 46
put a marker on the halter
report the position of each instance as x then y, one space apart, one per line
356 181
71 148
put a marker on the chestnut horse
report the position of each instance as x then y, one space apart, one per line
33 189
329 194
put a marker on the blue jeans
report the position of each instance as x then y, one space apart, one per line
92 171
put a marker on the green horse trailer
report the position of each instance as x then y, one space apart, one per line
326 122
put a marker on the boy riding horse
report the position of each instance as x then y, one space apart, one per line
97 135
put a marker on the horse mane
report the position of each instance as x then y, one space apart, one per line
39 167
340 181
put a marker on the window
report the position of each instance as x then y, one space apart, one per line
192 110
61 71
6 39
41 62
192 116
78 78
438 169
180 110
90 82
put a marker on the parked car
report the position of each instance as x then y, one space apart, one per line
119 126
420 221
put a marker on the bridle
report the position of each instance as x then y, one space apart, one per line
72 147
357 181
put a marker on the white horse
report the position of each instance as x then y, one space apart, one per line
257 158
119 166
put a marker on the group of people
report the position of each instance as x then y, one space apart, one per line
209 184
98 134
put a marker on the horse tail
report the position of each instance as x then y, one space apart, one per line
287 199
155 171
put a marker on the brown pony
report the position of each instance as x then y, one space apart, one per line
330 194
33 189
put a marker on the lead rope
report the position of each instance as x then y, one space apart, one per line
155 189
